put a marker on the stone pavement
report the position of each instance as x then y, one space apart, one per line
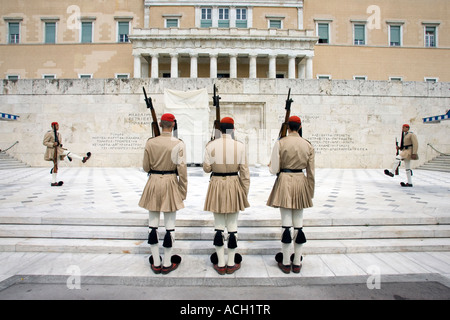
364 228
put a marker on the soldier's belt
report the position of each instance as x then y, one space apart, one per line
224 174
291 170
163 172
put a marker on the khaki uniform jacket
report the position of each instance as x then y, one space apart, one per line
164 192
410 139
226 194
49 141
292 190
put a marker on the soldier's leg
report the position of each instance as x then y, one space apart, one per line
395 165
55 181
71 155
286 238
299 239
169 238
408 172
153 241
219 227
231 221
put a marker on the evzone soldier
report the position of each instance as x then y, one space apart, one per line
53 141
165 191
408 147
227 193
292 157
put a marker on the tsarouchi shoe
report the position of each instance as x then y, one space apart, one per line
237 264
175 262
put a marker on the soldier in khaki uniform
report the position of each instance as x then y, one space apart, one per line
164 159
409 146
52 145
227 193
292 157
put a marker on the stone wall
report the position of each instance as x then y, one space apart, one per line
351 124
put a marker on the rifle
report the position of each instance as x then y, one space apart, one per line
216 128
155 128
396 169
55 153
285 125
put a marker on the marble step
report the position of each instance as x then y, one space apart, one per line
207 233
141 220
198 247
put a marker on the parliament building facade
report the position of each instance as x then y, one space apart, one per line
388 40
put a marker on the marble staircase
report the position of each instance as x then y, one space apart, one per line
194 236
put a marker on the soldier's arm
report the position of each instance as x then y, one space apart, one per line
274 165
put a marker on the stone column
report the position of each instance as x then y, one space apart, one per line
174 65
137 65
291 70
155 66
194 65
309 67
272 66
233 65
302 69
252 66
213 65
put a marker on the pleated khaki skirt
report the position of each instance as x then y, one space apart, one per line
225 195
290 191
161 193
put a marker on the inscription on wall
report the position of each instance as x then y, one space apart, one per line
117 142
140 118
334 142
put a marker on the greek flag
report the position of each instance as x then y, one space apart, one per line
437 119
6 116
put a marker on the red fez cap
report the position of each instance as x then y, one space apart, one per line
54 123
168 117
227 120
406 125
294 119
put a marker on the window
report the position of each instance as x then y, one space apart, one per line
359 77
124 29
50 32
224 18
122 76
241 18
430 36
48 76
86 31
12 77
324 77
323 32
395 36
431 80
171 23
359 31
85 76
206 20
14 32
395 78
274 24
